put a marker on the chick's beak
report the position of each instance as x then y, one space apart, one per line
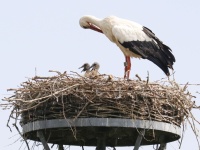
81 67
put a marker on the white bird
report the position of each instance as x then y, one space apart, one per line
133 39
86 68
95 69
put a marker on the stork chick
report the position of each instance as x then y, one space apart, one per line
86 69
95 69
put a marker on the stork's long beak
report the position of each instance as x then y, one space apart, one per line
81 67
95 28
91 66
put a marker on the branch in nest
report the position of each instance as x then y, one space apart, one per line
138 77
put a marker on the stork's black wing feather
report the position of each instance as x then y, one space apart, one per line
153 50
166 50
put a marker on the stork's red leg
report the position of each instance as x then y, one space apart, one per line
127 67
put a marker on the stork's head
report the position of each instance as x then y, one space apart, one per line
83 22
90 22
95 66
85 67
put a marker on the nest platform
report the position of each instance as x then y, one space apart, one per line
74 110
116 132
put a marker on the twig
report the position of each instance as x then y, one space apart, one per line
81 111
21 135
59 73
138 77
9 119
147 78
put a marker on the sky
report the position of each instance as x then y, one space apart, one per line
38 36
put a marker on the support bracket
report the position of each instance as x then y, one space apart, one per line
139 140
40 135
101 142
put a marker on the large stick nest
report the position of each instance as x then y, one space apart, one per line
73 96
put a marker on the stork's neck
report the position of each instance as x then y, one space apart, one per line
87 71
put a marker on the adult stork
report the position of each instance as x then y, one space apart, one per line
133 39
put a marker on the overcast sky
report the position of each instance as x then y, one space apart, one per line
46 35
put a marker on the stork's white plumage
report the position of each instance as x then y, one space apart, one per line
133 39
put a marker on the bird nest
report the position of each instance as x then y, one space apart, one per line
73 96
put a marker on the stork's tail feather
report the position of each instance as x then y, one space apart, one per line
160 64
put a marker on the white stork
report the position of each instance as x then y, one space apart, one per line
133 39
95 69
86 68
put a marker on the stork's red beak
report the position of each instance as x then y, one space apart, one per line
95 28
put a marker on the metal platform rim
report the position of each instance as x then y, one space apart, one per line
101 122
